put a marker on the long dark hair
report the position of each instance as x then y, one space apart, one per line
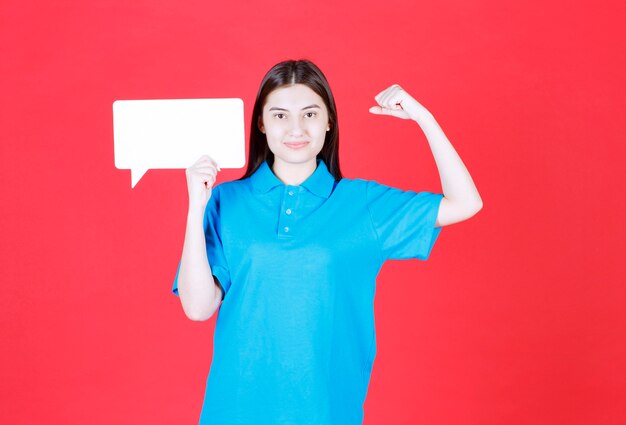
287 73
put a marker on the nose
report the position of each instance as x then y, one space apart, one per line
296 127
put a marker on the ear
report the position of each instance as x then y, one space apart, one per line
260 124
328 126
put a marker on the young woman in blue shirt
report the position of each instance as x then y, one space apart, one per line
289 254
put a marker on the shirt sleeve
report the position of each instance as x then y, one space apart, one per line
404 221
214 247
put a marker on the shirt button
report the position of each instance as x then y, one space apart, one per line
290 193
288 211
286 229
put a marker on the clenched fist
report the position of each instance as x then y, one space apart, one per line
201 177
395 101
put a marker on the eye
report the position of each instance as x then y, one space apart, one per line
310 114
279 115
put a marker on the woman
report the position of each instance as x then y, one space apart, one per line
289 254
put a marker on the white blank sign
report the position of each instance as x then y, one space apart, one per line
174 133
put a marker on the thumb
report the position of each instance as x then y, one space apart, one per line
377 110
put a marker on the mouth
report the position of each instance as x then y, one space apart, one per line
296 145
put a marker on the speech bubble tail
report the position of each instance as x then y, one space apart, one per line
135 175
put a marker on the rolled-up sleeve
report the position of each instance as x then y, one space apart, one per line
404 221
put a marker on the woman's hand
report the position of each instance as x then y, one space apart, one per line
201 177
396 102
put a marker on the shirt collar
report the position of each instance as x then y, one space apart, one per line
319 183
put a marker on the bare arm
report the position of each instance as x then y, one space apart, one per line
199 293
461 199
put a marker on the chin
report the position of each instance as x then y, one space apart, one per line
295 159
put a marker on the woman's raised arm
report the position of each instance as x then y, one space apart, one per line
199 293
461 199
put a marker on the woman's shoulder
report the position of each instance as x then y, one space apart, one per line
369 186
351 187
353 182
356 183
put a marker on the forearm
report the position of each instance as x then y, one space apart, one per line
196 285
456 182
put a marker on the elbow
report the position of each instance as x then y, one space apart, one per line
198 305
478 206
475 208
197 315
471 209
455 212
199 312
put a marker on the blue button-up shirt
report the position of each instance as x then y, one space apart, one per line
294 339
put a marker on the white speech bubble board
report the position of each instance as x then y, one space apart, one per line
174 133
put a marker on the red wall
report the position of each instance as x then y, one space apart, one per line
519 315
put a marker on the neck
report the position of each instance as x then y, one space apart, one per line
293 174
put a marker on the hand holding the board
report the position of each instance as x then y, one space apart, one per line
201 177
398 103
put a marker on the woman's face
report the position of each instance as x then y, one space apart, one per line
295 122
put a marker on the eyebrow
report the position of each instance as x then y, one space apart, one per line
276 108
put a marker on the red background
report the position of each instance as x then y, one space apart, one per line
519 315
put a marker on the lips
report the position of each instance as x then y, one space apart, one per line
296 145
